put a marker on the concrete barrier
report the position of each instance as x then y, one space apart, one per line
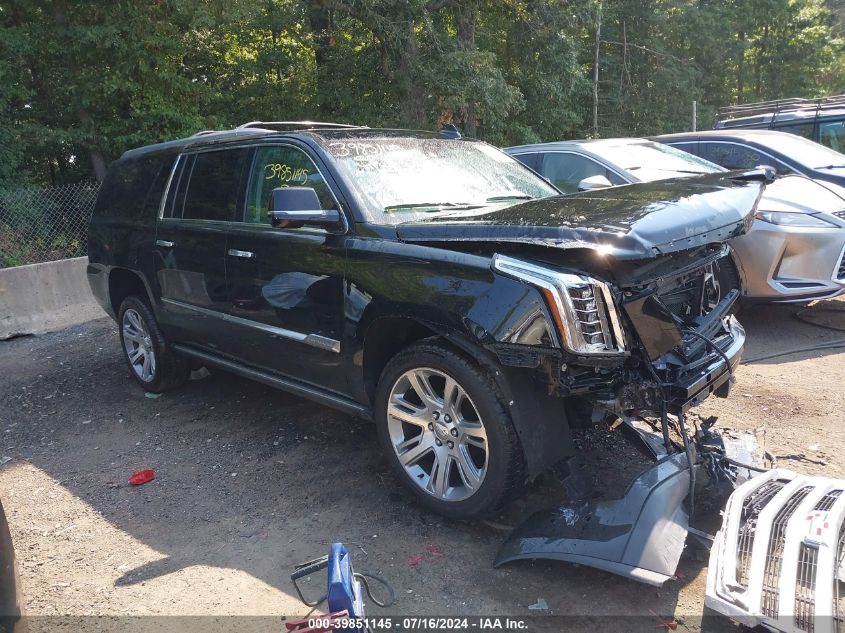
45 297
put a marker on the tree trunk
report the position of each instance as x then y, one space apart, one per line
98 161
596 50
411 93
740 71
320 21
467 21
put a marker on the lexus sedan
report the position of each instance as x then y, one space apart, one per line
795 251
786 153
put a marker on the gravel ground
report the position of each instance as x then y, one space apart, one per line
250 481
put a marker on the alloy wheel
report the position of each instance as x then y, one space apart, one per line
138 345
438 434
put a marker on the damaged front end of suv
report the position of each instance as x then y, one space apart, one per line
639 324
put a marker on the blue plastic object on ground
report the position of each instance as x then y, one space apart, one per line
344 592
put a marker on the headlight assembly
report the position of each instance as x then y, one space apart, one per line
582 307
789 218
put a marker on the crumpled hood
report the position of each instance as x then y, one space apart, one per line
629 222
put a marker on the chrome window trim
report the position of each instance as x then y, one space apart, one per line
314 340
167 186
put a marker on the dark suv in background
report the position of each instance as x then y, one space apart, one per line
821 120
434 285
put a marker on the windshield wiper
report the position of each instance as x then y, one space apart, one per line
432 207
515 196
829 167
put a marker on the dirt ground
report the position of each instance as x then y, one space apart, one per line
250 481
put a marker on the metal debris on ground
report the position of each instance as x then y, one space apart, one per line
540 605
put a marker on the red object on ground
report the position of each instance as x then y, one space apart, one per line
142 476
336 621
415 560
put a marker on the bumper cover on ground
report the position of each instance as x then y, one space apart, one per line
640 536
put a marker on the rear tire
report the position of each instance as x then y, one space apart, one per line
152 363
453 445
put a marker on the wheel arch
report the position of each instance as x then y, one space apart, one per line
540 420
123 283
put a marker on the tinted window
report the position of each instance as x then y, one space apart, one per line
133 188
565 170
733 156
832 134
801 129
213 185
282 166
529 160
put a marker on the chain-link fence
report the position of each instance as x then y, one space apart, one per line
41 224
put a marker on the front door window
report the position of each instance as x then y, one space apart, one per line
282 166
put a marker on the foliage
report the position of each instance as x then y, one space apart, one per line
82 81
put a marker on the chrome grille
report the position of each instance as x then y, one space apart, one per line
805 588
826 502
840 273
774 554
751 509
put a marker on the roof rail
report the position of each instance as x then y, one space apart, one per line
778 106
204 133
295 125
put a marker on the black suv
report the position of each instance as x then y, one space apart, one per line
434 285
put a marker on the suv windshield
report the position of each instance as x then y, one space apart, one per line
650 161
405 179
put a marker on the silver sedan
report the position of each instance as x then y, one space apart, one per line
795 250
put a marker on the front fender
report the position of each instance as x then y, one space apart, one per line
458 297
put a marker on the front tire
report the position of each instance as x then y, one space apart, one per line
444 428
152 363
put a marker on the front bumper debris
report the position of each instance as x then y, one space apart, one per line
640 536
779 559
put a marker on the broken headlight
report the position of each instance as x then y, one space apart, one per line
582 307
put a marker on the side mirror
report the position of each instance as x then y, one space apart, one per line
594 182
297 206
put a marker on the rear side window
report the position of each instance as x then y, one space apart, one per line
733 156
210 184
133 188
